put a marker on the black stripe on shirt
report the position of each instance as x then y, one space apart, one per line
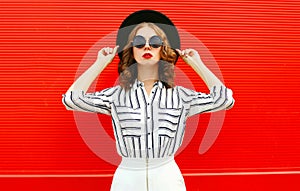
168 114
80 107
118 139
168 121
176 133
94 105
167 128
65 102
133 145
129 120
220 106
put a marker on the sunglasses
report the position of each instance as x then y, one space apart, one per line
140 42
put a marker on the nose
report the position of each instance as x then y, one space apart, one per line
147 46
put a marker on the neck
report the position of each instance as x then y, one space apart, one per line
147 74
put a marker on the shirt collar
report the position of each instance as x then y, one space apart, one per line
138 84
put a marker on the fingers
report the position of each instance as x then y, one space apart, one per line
181 52
185 52
107 50
115 50
189 52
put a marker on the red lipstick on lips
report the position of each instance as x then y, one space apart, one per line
147 55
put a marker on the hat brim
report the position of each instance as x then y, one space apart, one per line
159 19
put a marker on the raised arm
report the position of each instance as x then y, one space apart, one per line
105 56
76 97
220 97
192 58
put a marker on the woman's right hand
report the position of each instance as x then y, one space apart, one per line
107 54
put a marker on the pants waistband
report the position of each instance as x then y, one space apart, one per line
143 163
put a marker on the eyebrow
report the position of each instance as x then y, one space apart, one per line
149 37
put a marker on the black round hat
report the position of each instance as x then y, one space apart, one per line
159 19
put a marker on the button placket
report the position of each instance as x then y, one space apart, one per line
149 120
149 124
149 116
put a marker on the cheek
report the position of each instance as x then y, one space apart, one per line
135 53
157 53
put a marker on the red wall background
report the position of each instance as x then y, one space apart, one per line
255 43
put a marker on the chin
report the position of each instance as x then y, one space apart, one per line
148 62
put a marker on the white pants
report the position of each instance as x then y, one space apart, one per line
148 175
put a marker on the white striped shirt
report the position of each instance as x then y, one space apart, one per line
149 126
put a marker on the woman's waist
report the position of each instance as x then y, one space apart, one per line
143 163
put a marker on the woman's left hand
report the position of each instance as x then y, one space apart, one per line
190 56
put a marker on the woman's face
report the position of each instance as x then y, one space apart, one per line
146 55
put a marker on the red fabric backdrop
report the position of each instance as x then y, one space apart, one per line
256 46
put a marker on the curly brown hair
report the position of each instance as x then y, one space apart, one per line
128 68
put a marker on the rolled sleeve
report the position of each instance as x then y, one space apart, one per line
97 102
219 98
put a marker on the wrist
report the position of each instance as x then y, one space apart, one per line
100 64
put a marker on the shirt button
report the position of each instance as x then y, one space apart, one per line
148 117
148 103
149 133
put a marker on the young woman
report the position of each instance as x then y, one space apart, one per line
148 110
